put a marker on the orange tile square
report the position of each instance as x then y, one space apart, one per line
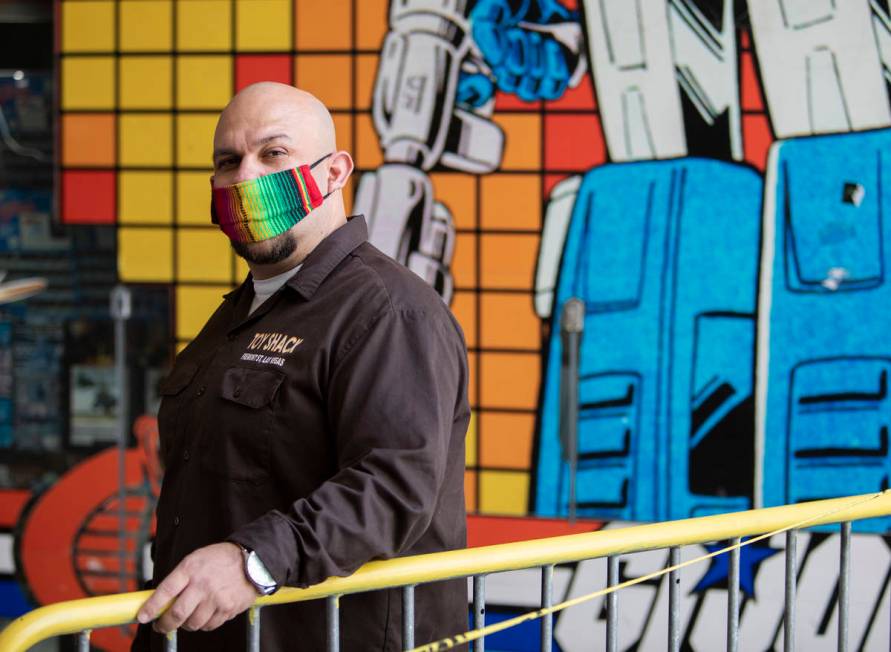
508 261
366 71
464 272
470 491
473 380
464 308
509 380
508 321
327 76
324 24
368 155
349 193
506 440
343 129
470 446
458 192
522 140
88 139
371 23
510 201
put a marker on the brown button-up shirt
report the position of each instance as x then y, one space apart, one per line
324 430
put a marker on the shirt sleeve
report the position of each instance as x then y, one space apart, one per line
394 395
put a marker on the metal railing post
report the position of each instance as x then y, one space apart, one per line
844 583
572 322
674 602
547 600
612 604
170 643
733 600
253 633
121 309
83 641
791 571
333 618
479 610
408 617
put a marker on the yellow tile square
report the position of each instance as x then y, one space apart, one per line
203 82
327 76
204 25
88 83
264 25
194 139
146 82
203 254
145 140
470 441
368 154
366 72
241 269
194 305
371 23
193 197
145 197
146 25
522 140
145 255
504 492
335 15
88 26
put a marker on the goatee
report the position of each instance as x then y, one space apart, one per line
270 252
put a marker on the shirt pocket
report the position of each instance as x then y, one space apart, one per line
172 397
238 447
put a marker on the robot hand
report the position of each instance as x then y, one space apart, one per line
407 224
414 102
533 48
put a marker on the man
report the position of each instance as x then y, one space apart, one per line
317 421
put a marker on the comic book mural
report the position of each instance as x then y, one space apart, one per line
705 176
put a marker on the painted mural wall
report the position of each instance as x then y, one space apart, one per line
707 176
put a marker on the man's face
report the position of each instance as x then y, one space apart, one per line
252 140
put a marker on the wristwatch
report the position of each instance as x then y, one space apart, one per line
257 574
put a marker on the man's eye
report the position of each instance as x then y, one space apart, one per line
275 153
226 162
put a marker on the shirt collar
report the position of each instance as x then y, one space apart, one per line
321 261
327 255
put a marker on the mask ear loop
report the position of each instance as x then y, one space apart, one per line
312 165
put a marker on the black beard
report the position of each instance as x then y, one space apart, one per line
280 247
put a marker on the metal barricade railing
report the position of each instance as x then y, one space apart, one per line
82 616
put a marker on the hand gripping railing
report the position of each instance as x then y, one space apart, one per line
82 616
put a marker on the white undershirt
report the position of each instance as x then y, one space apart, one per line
263 289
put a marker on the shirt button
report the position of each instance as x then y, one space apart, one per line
176 520
186 455
237 392
200 390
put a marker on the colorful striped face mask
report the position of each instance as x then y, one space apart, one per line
262 208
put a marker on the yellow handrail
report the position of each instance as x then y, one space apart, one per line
92 613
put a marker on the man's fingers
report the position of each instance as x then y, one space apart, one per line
181 610
219 617
167 590
200 616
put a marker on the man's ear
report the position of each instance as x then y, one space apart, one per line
339 170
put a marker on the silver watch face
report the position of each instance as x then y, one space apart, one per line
258 573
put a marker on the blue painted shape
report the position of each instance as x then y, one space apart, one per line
664 254
718 573
13 602
528 63
826 323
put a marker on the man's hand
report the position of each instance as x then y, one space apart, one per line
206 589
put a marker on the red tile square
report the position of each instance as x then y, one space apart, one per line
750 86
551 180
757 139
580 98
573 142
510 102
252 68
88 197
